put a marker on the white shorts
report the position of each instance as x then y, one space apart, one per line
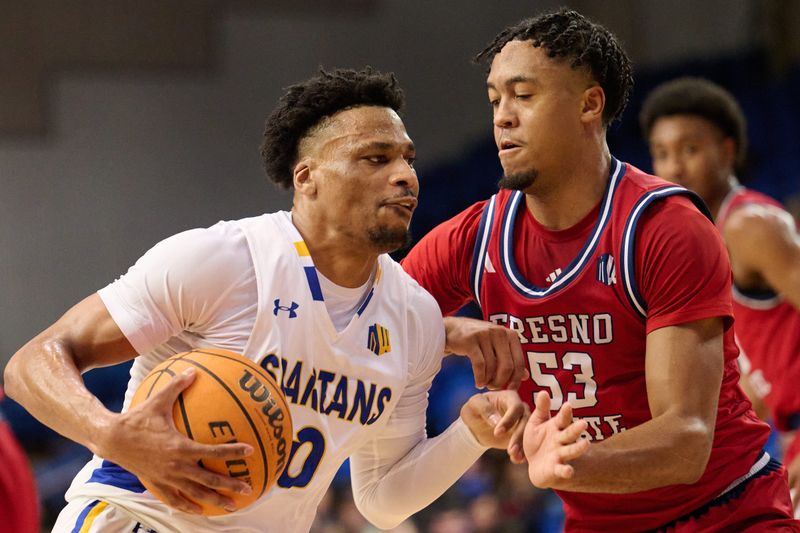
90 515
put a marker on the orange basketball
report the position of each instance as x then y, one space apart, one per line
231 400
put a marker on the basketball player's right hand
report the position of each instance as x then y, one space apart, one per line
551 443
144 441
494 351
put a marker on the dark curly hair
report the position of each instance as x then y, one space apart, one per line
307 104
698 97
568 34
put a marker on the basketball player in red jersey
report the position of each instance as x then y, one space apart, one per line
618 288
697 135
19 504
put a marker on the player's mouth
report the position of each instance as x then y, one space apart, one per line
405 205
508 146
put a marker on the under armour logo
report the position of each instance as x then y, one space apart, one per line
288 308
606 269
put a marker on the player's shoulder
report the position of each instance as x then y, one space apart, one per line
642 182
757 224
198 252
676 202
221 238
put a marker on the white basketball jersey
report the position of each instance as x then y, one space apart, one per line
342 387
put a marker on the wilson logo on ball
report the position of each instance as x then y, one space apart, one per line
275 415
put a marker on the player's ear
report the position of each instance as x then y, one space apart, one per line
302 177
593 102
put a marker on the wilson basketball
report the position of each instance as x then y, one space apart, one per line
231 399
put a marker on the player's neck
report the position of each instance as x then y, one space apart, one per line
568 194
345 263
715 204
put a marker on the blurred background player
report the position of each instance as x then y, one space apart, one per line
620 311
698 139
19 503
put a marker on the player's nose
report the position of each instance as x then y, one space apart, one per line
404 175
504 115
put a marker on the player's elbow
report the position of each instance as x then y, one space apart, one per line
694 448
14 375
375 515
11 377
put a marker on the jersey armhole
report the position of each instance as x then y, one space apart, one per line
480 249
628 252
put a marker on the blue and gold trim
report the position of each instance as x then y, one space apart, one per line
309 269
87 517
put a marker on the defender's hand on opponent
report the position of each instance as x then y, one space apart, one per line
497 419
494 351
144 440
550 443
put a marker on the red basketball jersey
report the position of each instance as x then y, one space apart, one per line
584 336
768 331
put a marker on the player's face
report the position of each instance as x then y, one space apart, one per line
692 152
367 179
536 104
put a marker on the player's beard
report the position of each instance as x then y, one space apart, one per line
388 239
518 181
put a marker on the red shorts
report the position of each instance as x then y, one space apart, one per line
762 505
19 505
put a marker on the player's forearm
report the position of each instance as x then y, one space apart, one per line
667 450
43 378
387 497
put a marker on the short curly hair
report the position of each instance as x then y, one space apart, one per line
568 34
699 97
305 105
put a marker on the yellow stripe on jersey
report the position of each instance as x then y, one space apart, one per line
87 523
302 249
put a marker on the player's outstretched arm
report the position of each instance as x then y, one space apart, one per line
683 371
494 351
402 456
45 377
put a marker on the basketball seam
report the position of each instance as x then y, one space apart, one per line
245 413
253 366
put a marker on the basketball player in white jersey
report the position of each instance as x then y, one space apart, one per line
313 298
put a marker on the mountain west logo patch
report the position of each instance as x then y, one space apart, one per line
606 269
378 339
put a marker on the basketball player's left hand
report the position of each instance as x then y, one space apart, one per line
497 419
551 443
494 351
